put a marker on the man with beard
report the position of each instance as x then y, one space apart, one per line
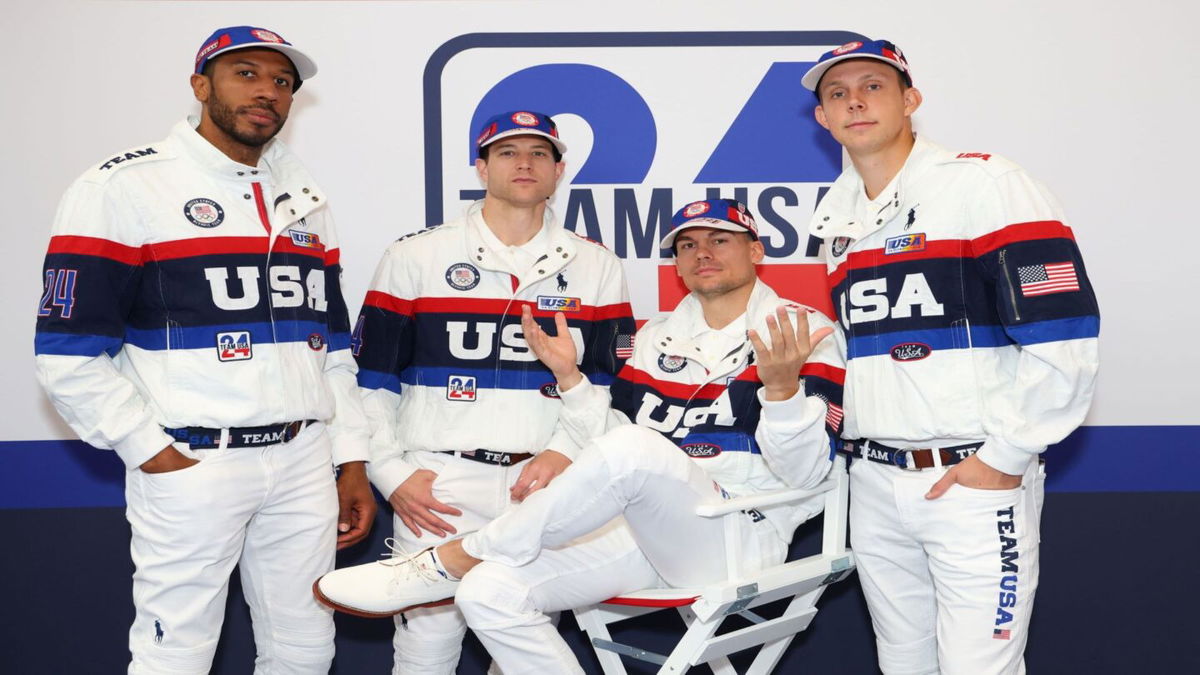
193 322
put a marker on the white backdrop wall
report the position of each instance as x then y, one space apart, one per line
1096 99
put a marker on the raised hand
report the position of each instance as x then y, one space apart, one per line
557 353
779 365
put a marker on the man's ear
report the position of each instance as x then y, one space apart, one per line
912 101
757 252
201 87
819 113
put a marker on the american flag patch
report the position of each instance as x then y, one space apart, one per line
1001 634
625 346
833 415
1048 278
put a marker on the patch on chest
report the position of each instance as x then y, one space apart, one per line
203 212
462 276
671 364
907 243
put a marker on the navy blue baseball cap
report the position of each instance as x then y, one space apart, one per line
719 214
249 37
516 123
875 49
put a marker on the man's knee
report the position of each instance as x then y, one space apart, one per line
300 642
632 446
154 659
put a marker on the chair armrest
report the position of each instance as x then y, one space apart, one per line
772 498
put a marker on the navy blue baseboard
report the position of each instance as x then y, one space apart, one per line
1117 595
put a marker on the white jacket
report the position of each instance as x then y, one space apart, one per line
443 364
168 304
716 412
967 310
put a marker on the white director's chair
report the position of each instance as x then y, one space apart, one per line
705 609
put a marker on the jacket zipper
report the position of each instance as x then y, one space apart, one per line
266 223
1012 293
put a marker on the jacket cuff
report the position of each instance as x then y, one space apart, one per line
578 397
352 449
797 412
387 475
1007 458
138 447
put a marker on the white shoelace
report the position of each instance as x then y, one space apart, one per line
407 566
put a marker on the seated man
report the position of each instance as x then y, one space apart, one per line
719 379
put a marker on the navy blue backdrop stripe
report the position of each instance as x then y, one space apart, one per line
70 474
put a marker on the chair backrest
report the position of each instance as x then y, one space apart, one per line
704 610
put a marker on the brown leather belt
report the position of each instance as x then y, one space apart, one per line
911 459
493 457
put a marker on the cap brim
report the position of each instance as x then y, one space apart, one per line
813 77
558 144
305 67
711 223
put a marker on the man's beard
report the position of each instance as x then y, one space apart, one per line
225 119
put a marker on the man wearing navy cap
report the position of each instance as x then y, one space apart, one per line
193 322
464 419
972 335
704 409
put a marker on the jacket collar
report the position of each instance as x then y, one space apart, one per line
561 247
687 320
296 194
845 210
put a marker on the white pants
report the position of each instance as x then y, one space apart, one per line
949 582
273 509
562 548
428 641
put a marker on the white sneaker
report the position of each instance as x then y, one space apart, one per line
387 587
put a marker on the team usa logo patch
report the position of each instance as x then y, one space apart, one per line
461 388
204 212
907 243
695 209
305 239
462 276
234 346
316 341
911 351
266 35
671 364
526 119
701 450
840 244
555 303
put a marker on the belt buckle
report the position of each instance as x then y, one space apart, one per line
292 430
909 464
